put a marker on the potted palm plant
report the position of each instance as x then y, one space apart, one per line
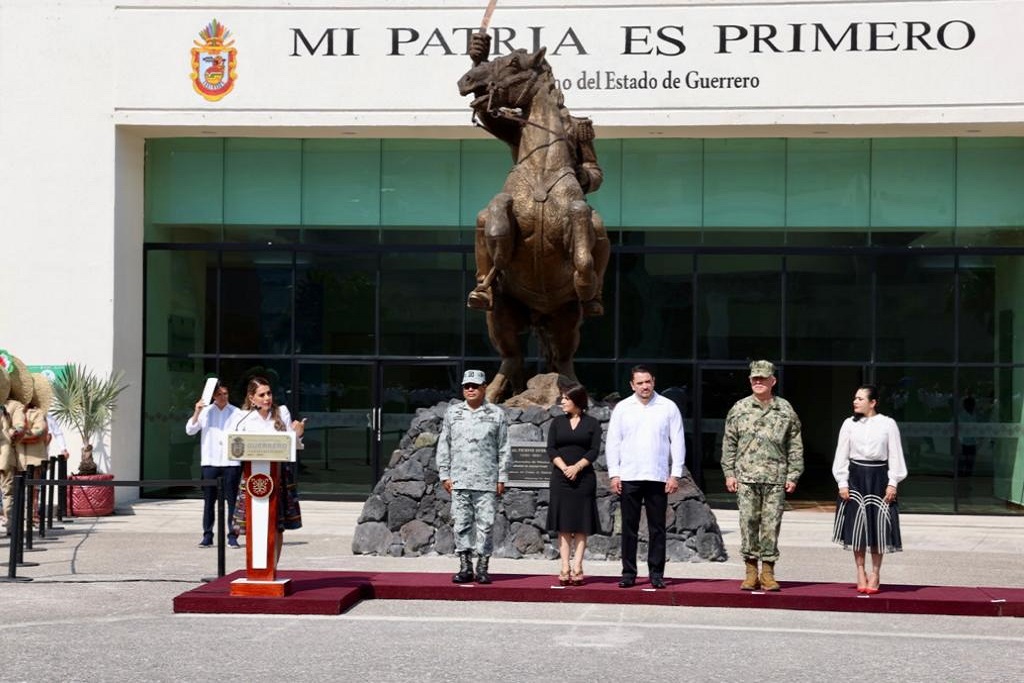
85 402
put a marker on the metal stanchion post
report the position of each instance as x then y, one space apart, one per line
39 506
221 527
62 491
51 494
17 510
26 525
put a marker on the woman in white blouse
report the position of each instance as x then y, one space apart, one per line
868 467
260 413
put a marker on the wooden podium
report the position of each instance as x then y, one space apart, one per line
262 456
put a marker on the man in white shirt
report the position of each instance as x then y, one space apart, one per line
645 453
56 445
213 420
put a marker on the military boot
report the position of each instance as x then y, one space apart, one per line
750 583
768 581
481 569
465 574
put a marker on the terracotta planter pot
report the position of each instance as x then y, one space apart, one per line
91 501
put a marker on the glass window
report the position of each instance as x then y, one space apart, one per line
662 183
719 389
820 236
337 401
340 182
169 397
422 299
608 200
656 306
739 307
849 311
828 307
420 183
827 183
335 303
184 182
988 173
407 387
237 372
597 378
988 414
484 165
256 302
744 183
913 182
921 401
748 237
659 237
262 182
822 396
980 306
915 308
181 302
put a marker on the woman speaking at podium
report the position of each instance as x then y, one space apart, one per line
260 414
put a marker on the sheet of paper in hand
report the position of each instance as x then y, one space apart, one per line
211 386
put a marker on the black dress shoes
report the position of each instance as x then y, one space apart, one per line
627 582
657 582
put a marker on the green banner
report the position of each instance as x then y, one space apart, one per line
52 372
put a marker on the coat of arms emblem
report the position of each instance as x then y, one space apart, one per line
213 62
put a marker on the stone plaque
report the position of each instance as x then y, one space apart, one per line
530 465
279 447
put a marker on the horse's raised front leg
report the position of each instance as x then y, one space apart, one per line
581 247
505 326
494 243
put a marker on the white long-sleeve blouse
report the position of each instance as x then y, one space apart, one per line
874 439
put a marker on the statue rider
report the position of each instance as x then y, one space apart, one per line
579 133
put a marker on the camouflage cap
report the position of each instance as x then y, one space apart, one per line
762 368
474 377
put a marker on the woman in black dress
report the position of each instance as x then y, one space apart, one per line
574 441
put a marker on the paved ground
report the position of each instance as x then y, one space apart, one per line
99 609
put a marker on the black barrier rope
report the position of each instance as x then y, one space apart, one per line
22 510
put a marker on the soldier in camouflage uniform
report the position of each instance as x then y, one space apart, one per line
762 459
473 459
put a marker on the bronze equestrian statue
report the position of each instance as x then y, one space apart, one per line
541 250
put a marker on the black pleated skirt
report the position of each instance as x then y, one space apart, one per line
866 521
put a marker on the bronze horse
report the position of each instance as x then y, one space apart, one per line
541 250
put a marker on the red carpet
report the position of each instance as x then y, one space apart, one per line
322 592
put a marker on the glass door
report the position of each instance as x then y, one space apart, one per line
822 396
338 401
720 386
406 387
356 415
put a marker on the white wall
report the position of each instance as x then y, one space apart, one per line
57 190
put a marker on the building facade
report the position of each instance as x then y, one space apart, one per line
292 191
